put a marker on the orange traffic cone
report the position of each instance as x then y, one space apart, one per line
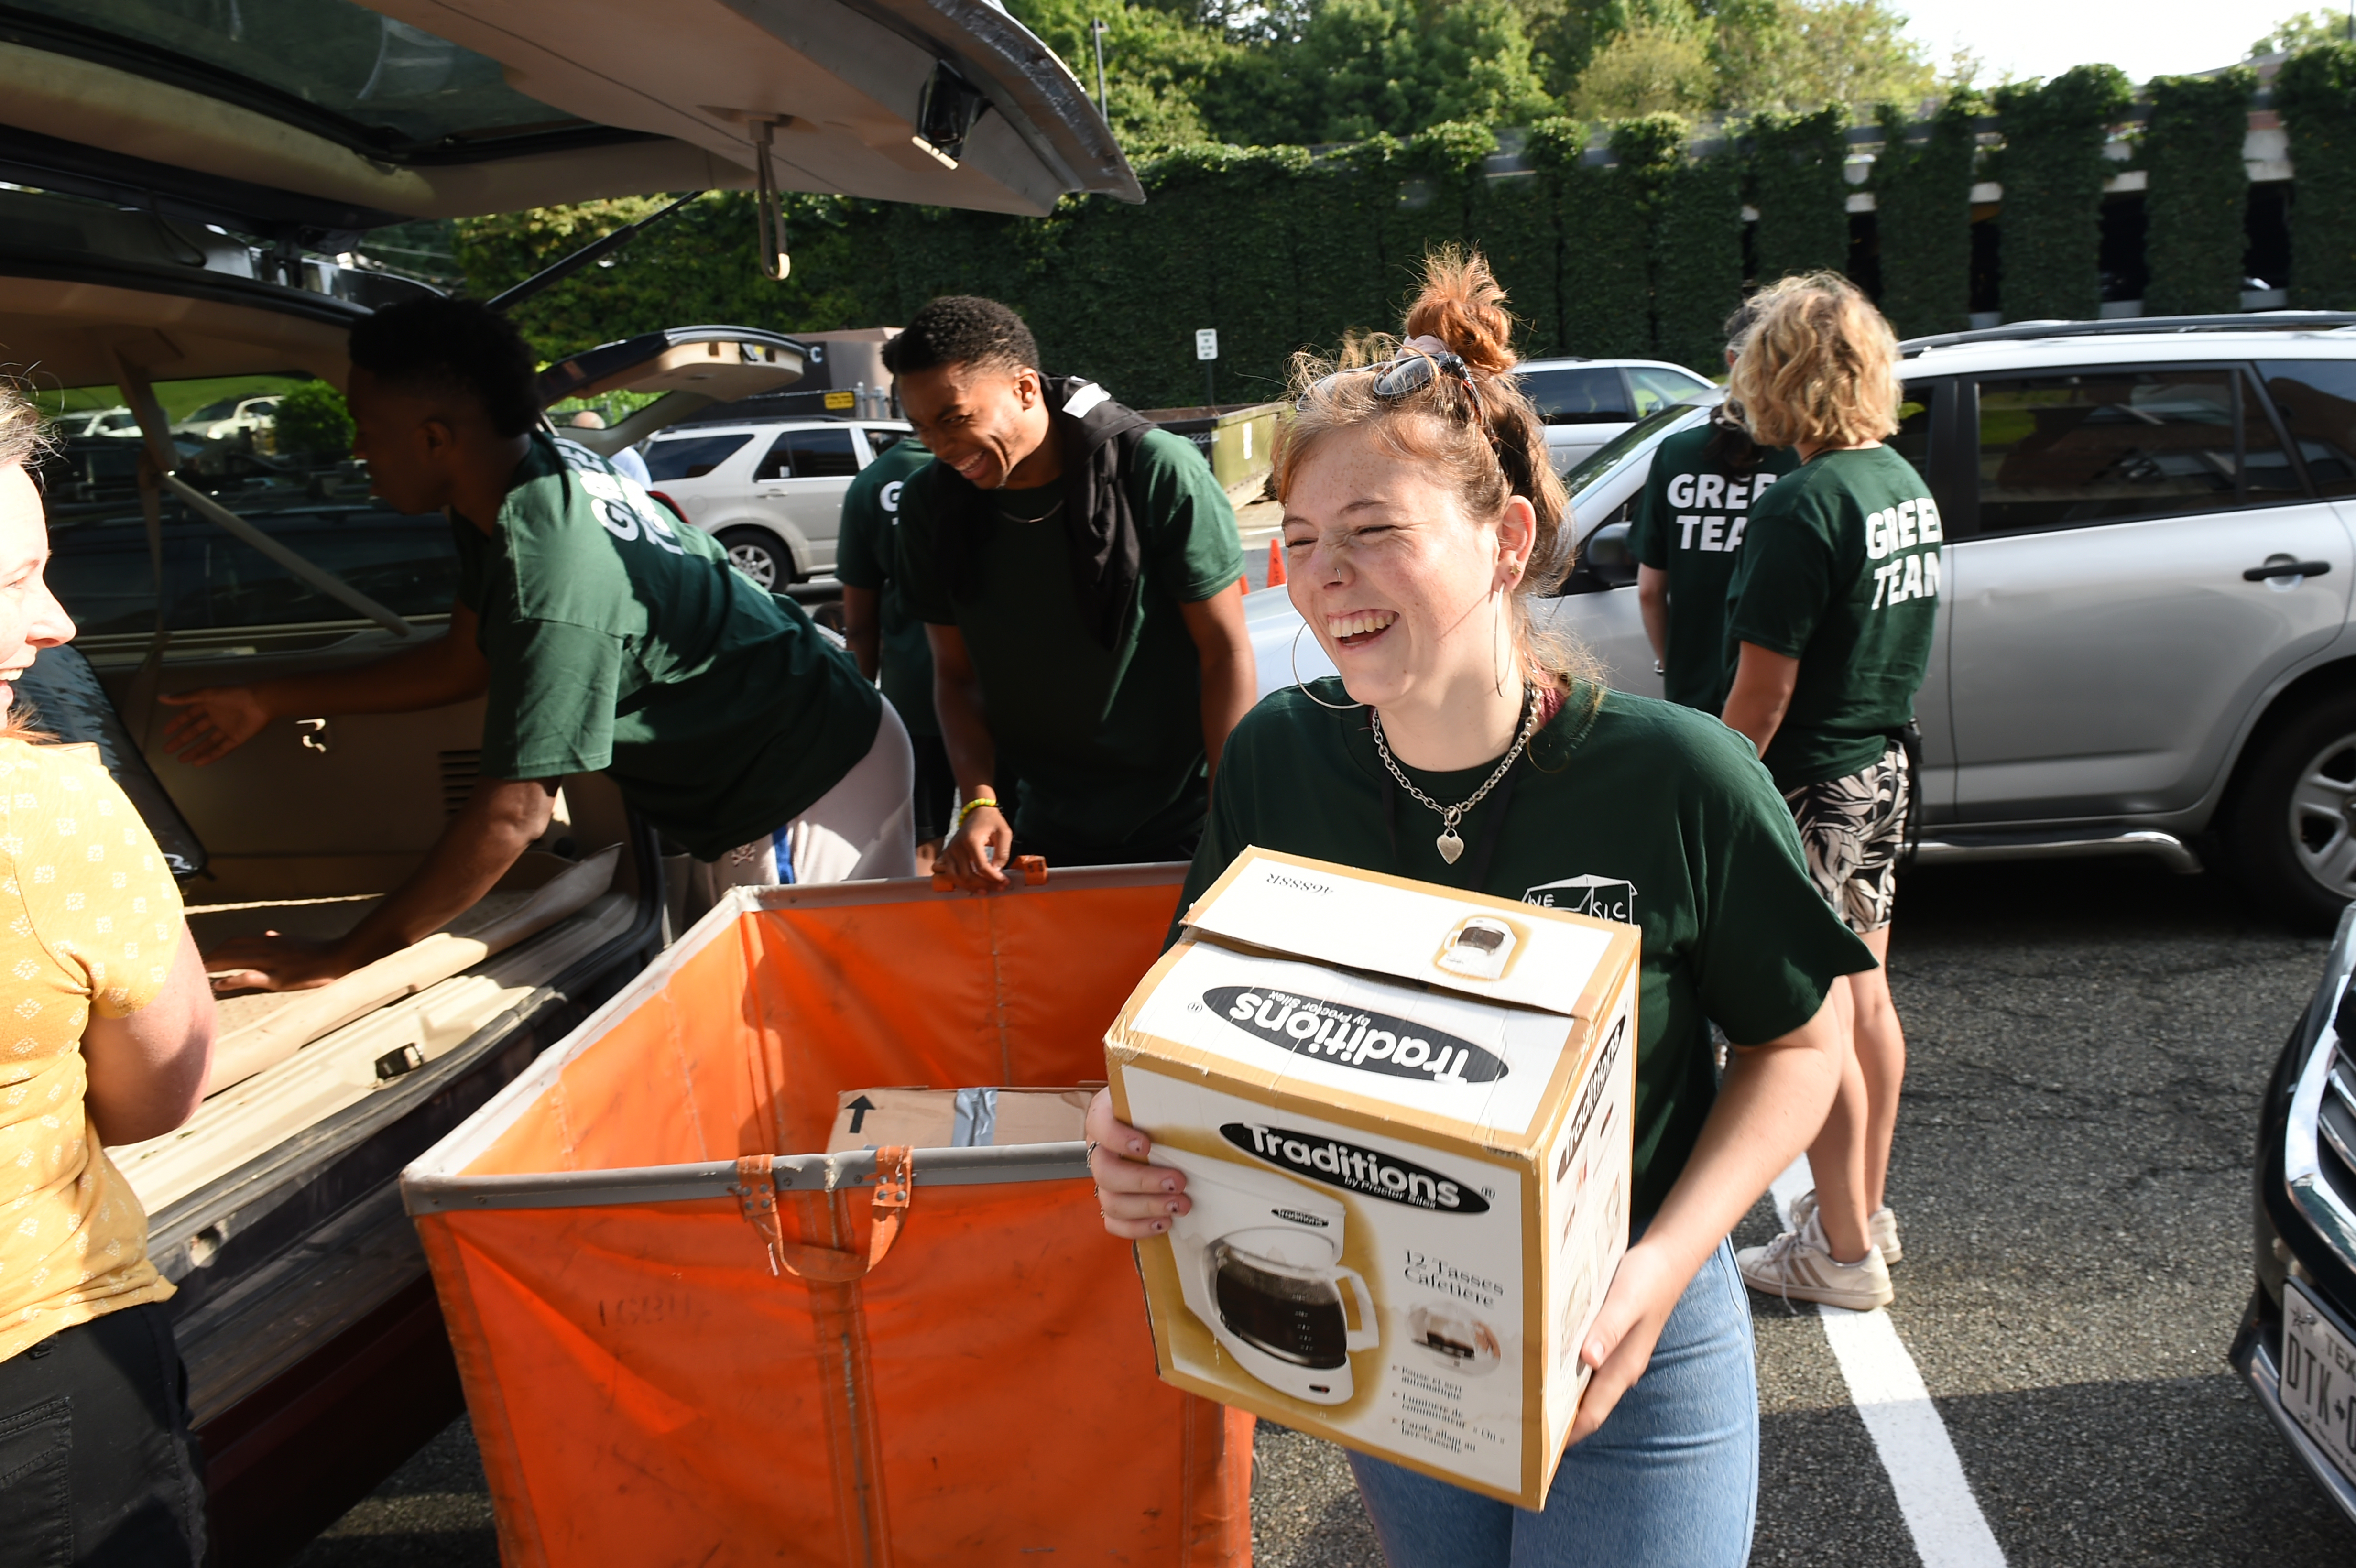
1276 563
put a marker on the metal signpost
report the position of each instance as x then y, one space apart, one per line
1206 349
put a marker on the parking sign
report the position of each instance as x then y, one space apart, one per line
1206 343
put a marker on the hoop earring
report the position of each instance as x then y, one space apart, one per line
1302 686
1497 645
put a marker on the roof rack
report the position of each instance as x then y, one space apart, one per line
2240 321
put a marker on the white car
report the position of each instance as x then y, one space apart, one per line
1586 402
229 417
771 492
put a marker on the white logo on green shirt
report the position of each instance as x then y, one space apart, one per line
1604 898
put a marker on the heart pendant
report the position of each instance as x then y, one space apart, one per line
1451 846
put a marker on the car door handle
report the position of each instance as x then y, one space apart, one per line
2287 569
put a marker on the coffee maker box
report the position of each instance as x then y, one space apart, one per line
1405 1115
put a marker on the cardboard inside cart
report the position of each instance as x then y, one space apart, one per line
1406 1116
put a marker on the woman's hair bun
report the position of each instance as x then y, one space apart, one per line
1461 305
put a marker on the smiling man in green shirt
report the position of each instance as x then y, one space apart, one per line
1080 576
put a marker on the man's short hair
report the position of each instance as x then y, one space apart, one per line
962 330
435 347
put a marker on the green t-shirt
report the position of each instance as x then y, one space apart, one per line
621 644
1690 526
1630 810
1108 741
1840 572
866 555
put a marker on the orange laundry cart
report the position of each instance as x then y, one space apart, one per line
685 1339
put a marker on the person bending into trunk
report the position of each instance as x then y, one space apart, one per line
1081 579
605 640
1689 535
1422 527
110 1040
1829 634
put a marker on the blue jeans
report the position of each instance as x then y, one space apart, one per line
1671 1477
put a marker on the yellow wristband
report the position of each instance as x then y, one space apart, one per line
969 808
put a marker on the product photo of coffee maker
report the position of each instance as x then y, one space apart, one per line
1260 1265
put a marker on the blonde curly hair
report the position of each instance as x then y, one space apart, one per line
1819 368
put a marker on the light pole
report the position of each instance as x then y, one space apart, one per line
1097 28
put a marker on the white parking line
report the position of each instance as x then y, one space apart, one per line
1934 1494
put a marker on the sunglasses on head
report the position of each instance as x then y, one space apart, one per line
1410 372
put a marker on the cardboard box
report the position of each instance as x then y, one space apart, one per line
1404 1117
958 1118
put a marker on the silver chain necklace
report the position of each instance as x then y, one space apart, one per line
1449 844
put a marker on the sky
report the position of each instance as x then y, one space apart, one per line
2046 38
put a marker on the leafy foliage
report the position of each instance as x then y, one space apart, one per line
1697 259
1796 55
313 421
1923 190
1797 185
2199 195
1157 66
1652 67
2052 169
2303 30
2316 95
1395 67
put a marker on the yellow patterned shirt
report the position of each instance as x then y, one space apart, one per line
88 917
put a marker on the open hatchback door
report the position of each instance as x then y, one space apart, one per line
178 179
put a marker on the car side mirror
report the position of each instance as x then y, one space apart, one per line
1606 560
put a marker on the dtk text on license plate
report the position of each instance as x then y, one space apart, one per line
2319 1378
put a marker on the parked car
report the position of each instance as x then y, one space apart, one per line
1587 402
230 419
115 421
315 1354
2144 644
2296 1346
771 492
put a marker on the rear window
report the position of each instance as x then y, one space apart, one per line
1586 396
2316 399
821 454
2064 451
691 456
1657 386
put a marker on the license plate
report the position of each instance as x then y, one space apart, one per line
2318 1378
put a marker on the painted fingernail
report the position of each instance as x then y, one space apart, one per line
1160 1224
1169 1187
1173 1208
1137 1146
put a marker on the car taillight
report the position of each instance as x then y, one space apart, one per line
676 510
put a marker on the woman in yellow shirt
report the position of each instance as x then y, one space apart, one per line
106 1028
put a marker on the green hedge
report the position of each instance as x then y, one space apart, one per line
2316 95
1797 185
2198 198
1923 204
2053 169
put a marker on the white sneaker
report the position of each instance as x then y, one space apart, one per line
1882 1226
1797 1266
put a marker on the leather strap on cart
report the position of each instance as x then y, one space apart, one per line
756 1198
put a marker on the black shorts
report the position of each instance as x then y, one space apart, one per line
1851 829
95 1448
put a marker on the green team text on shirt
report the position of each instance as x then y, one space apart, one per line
865 557
1690 525
1626 808
1841 572
1108 741
623 644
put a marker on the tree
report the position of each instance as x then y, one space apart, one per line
1363 67
1657 64
1158 64
1804 54
2302 30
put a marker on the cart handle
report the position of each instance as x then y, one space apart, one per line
756 1198
1031 869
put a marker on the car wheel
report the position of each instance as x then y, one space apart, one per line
2292 835
756 553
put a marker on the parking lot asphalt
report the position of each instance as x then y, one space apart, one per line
2073 1176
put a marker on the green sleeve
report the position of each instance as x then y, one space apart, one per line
1649 539
1770 947
1189 531
856 562
1786 581
549 709
919 566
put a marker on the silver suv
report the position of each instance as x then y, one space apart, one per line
771 492
2145 645
1589 402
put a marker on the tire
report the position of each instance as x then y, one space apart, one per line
759 555
2291 833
